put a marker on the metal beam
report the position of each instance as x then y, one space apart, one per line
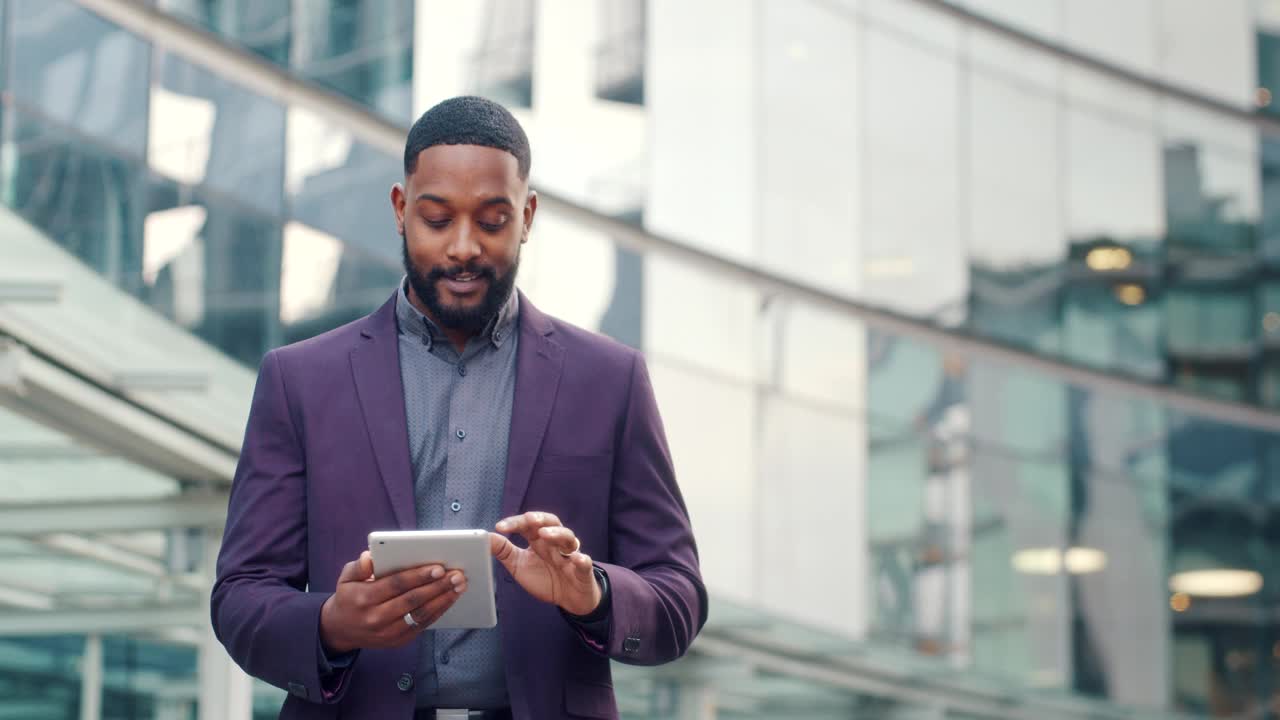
100 620
27 291
52 396
185 511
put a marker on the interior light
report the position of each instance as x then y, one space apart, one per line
1051 561
1038 561
1131 294
1221 583
1180 602
1271 322
1263 97
1085 560
1106 259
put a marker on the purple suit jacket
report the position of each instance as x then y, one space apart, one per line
326 460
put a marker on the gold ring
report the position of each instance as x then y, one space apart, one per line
577 544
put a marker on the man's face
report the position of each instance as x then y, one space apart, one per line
463 214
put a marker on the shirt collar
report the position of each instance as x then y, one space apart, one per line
413 322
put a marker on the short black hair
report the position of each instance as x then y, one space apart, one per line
468 120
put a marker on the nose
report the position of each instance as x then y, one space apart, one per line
463 247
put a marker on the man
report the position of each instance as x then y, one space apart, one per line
457 404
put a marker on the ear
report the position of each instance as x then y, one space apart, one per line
397 206
530 209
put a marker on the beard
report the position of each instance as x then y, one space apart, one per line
452 317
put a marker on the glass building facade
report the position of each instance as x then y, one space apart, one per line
963 316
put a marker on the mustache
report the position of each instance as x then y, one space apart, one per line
452 273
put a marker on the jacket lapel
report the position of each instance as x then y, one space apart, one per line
539 360
375 364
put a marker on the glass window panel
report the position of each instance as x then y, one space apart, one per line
567 270
808 138
341 186
912 257
1015 207
1188 27
621 27
213 267
502 68
80 71
1114 178
360 48
325 282
207 130
807 452
262 26
83 196
716 465
1122 33
816 355
701 320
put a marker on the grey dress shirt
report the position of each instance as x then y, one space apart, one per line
458 408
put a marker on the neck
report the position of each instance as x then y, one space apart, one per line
457 338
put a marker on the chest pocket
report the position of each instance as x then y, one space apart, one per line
576 489
586 466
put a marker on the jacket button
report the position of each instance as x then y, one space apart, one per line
405 683
631 645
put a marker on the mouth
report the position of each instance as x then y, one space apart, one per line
465 283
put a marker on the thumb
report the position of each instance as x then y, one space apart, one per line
502 549
357 570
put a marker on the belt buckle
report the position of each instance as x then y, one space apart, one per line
452 713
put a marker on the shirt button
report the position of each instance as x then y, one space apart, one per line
462 369
405 683
455 506
462 434
444 659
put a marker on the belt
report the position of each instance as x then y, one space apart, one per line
461 714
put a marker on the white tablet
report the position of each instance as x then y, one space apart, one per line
465 550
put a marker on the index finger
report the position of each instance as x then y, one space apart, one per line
527 524
399 583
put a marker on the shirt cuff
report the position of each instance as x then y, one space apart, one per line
594 627
333 668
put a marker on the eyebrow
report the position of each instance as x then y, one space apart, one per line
496 200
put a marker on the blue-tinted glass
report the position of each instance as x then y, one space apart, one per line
80 71
213 266
502 69
360 48
620 51
262 26
85 197
208 130
350 200
354 284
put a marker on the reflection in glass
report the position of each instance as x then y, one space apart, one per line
325 283
80 71
360 48
81 195
206 129
502 69
213 267
262 26
341 186
620 52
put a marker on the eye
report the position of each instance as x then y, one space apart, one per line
438 224
499 223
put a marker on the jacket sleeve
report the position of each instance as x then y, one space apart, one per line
261 611
659 601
